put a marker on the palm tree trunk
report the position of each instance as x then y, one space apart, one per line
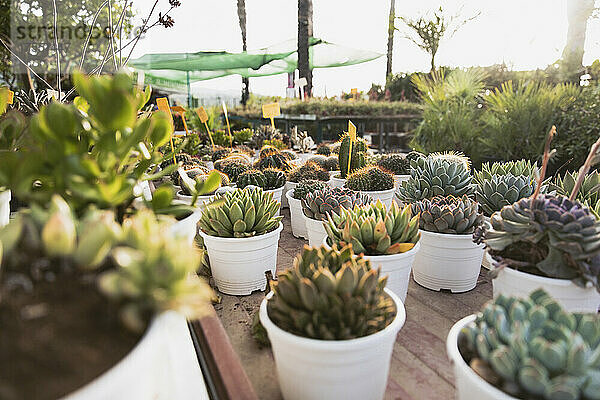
305 32
578 11
241 10
390 43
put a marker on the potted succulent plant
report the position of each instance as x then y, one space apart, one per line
233 167
192 182
350 162
323 149
329 319
387 237
374 182
550 242
294 198
328 163
109 298
241 236
525 348
589 192
270 180
448 258
310 170
398 165
316 205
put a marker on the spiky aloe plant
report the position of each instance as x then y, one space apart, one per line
308 186
310 170
370 179
503 190
448 214
316 205
373 230
359 154
531 348
241 213
330 295
397 164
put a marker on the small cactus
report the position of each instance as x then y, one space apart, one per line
370 179
397 164
308 186
359 155
323 149
309 170
253 177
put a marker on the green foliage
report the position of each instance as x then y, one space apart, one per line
317 205
323 149
267 179
588 194
358 158
233 168
200 183
330 295
516 168
448 214
370 179
277 143
373 230
277 161
309 170
397 164
502 190
241 213
308 186
531 348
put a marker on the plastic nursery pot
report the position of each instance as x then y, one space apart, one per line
201 202
571 297
485 263
397 267
447 261
386 196
296 216
315 231
468 384
288 186
277 195
187 228
337 182
398 179
334 173
5 197
163 365
238 265
311 369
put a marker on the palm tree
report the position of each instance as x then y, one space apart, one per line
241 10
390 43
305 31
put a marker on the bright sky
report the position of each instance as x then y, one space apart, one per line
525 34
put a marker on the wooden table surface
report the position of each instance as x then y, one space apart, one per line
419 369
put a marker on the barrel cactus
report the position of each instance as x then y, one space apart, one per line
397 164
310 170
448 214
274 178
241 213
359 154
267 150
277 161
330 294
435 177
220 153
373 230
253 177
531 348
232 168
290 155
316 205
308 186
550 236
502 190
370 179
323 149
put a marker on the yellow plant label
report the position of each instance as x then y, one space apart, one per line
11 97
352 130
163 105
271 110
202 115
354 91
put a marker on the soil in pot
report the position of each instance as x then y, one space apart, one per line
58 338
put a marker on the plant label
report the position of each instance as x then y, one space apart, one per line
202 115
352 130
271 110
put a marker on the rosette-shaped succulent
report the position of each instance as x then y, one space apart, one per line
316 205
359 154
323 149
370 179
448 214
330 295
397 164
452 156
435 177
277 161
308 186
502 190
532 349
253 177
515 168
241 213
310 170
373 230
549 236
589 193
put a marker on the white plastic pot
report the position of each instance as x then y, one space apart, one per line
277 194
201 202
315 231
5 197
398 179
334 173
296 216
337 182
287 188
386 196
468 384
310 369
187 228
485 263
238 265
162 366
447 261
571 297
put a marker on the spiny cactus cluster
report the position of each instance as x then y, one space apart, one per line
232 168
373 230
220 153
452 156
183 159
531 348
318 204
548 236
370 179
329 163
503 190
359 154
323 149
290 155
309 170
448 214
267 179
435 177
277 161
267 150
330 295
308 186
397 164
241 213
